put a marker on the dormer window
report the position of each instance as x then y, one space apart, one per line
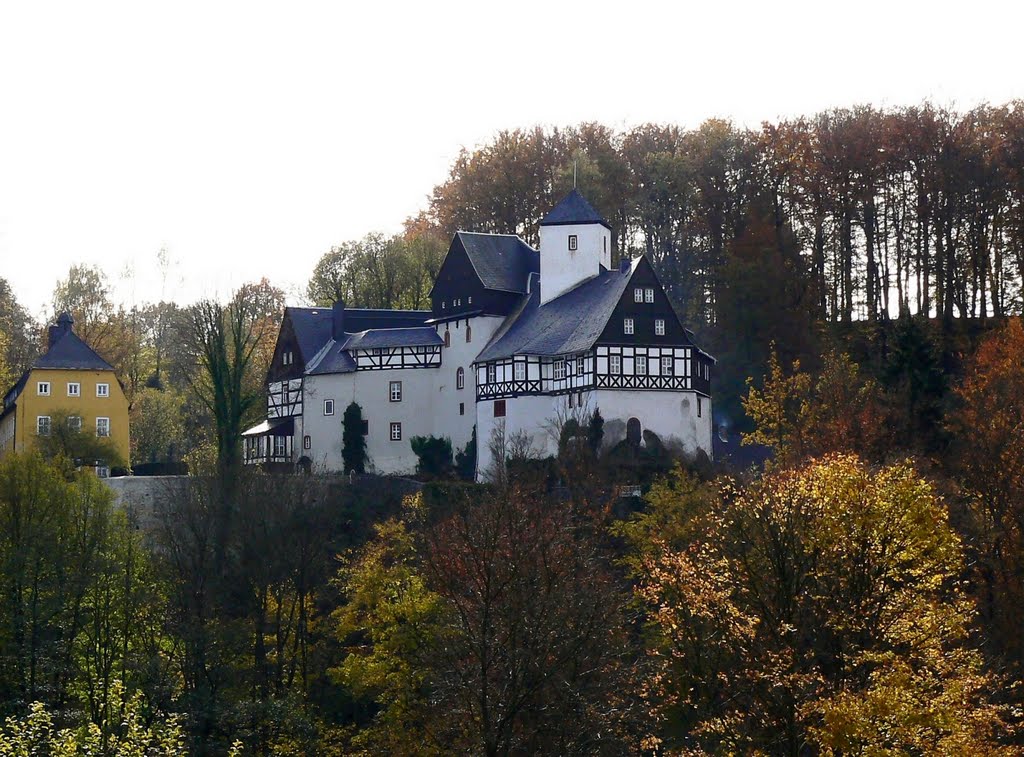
573 243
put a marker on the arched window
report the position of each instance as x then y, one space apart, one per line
447 338
469 333
460 379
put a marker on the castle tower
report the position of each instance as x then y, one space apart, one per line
575 242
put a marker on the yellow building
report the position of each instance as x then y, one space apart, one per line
69 382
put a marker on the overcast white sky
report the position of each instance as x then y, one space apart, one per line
247 138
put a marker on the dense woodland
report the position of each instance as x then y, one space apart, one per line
858 276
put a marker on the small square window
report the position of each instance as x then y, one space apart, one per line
102 390
638 295
395 391
43 425
666 365
328 407
573 243
103 427
615 363
396 432
43 388
307 442
520 371
649 294
627 326
499 408
462 408
74 389
641 365
659 326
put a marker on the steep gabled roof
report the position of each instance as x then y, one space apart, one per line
71 353
312 328
569 323
502 261
572 210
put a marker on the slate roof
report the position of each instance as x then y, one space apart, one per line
336 356
574 209
502 261
569 323
408 337
71 353
313 326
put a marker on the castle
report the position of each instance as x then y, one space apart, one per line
517 341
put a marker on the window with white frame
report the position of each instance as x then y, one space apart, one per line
102 390
396 432
579 365
649 294
615 363
641 365
74 389
74 423
638 295
43 388
666 365
559 370
103 427
573 243
328 407
520 370
43 425
395 391
492 373
627 325
460 379
280 446
659 326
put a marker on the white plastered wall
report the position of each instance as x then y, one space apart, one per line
562 269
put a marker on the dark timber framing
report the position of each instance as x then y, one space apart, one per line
382 358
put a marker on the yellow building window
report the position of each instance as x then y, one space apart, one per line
103 427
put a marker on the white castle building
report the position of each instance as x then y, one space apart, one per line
517 340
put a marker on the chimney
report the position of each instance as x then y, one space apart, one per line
338 321
63 325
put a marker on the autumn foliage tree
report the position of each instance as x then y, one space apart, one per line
817 608
988 459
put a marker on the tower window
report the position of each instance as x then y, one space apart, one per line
460 379
396 432
573 243
447 338
659 326
469 333
328 407
627 326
